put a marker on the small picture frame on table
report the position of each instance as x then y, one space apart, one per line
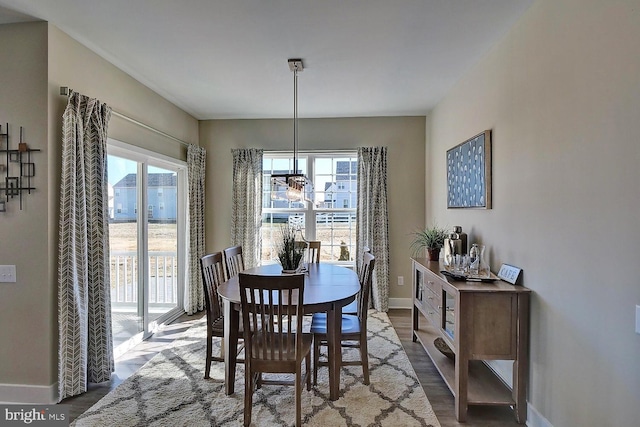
510 274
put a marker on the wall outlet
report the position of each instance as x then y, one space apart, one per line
637 319
7 273
400 280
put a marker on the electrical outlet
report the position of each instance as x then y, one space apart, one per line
400 280
637 319
7 273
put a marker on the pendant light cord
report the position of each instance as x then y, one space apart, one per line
295 120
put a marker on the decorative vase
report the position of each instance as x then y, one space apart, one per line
484 270
289 271
434 254
479 263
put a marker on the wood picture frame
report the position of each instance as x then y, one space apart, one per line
469 173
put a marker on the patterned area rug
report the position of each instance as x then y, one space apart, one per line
170 391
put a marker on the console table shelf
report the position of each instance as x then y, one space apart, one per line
479 322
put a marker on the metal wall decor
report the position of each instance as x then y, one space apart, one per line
469 173
17 167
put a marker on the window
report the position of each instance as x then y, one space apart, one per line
331 218
146 248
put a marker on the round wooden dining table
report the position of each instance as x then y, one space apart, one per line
327 288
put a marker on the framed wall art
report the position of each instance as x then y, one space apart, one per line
469 173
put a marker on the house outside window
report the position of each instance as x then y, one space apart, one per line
331 218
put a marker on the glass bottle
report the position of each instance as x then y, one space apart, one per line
474 260
484 270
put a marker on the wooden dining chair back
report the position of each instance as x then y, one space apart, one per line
272 313
233 261
361 268
352 308
313 251
211 267
354 327
366 281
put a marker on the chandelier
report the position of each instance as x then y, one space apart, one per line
293 186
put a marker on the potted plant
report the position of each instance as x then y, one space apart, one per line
289 253
430 238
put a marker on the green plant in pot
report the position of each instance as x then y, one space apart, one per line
289 253
430 238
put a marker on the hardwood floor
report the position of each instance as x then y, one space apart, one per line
436 390
130 363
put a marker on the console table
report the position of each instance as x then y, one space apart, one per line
479 322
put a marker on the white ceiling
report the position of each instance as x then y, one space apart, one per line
228 58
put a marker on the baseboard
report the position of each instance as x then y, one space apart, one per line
399 302
535 419
29 394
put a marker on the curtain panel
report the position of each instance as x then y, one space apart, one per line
194 292
246 211
372 219
84 300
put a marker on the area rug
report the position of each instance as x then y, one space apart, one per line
170 391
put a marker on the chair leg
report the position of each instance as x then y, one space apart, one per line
248 394
207 368
298 396
308 366
316 359
364 359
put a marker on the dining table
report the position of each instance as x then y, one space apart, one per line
327 288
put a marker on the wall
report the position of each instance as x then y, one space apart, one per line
403 135
561 94
26 314
43 58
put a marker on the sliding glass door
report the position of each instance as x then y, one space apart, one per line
146 232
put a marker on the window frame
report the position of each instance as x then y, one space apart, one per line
310 210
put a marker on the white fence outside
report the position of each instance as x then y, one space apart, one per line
163 278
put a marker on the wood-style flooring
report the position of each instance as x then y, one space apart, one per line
436 390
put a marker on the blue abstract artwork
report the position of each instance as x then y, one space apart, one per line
469 173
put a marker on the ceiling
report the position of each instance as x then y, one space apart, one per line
219 59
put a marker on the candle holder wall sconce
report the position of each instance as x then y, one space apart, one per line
15 161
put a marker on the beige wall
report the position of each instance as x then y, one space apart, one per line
26 314
404 137
43 59
561 94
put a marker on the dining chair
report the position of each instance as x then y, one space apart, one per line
212 270
274 343
313 248
352 307
354 327
233 261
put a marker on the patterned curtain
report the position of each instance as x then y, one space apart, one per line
372 223
84 299
246 211
194 292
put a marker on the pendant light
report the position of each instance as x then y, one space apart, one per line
293 186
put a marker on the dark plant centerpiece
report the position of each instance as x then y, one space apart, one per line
430 238
290 253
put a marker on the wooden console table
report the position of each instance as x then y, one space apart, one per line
479 321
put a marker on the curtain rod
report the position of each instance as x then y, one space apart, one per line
65 91
317 151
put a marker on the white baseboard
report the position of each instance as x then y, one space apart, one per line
29 394
400 303
535 419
